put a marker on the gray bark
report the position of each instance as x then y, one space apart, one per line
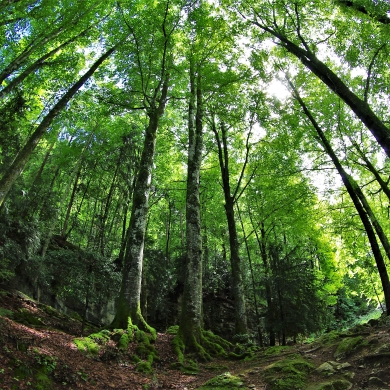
191 310
130 294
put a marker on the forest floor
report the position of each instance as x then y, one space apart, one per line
37 351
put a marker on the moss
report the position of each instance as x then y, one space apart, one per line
173 329
223 381
25 317
349 345
124 341
287 374
277 350
101 337
87 346
43 382
329 338
210 345
144 366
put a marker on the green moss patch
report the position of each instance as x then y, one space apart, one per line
173 329
222 382
209 345
329 338
87 346
277 350
348 346
287 374
26 318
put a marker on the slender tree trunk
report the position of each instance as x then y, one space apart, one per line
380 263
23 156
102 233
128 304
373 170
235 260
261 241
252 278
70 203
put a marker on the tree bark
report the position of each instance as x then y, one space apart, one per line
23 156
128 304
190 325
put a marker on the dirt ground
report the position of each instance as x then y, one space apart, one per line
44 356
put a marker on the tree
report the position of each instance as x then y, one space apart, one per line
22 157
286 23
154 99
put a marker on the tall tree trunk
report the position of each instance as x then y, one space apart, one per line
380 263
23 156
102 232
235 260
190 325
128 305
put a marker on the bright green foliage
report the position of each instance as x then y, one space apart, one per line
87 346
307 265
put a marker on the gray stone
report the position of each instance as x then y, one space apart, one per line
326 369
344 366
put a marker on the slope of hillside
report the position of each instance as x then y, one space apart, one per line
38 351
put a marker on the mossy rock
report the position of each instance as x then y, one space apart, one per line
337 384
222 382
348 346
287 374
329 338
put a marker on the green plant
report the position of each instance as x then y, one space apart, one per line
6 313
83 375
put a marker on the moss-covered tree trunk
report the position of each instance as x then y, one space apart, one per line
190 329
129 301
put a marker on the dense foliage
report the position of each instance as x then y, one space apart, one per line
101 103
